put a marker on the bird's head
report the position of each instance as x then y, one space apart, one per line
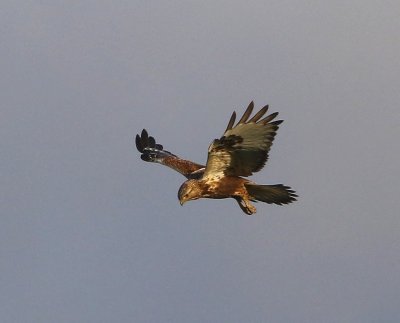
189 190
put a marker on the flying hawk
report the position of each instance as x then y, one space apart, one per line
240 152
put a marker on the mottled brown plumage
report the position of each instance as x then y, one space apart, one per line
241 151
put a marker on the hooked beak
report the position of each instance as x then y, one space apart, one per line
183 200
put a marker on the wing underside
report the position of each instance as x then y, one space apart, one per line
244 148
151 151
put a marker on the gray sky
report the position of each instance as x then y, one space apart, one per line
90 233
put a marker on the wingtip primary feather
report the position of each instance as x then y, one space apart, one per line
269 117
247 113
144 141
152 142
231 121
145 137
139 145
259 114
276 122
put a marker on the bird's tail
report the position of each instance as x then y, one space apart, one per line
272 194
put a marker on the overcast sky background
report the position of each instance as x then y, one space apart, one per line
90 233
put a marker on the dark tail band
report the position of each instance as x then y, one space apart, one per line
271 194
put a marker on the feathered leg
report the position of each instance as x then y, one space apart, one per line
245 205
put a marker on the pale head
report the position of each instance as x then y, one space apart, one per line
189 190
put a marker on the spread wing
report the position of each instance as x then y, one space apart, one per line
155 153
243 149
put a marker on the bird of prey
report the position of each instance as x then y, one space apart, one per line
241 151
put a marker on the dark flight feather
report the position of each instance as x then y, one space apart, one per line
247 113
231 121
